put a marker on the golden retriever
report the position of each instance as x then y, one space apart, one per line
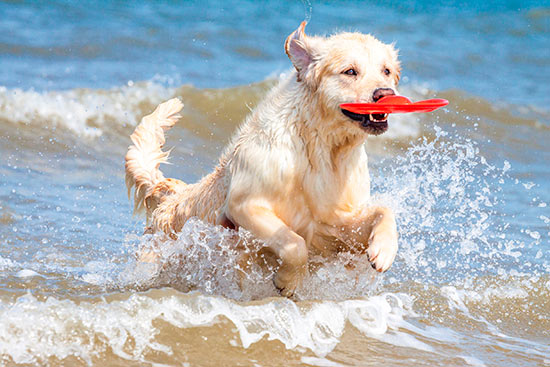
295 174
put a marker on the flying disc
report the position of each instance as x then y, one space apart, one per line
395 104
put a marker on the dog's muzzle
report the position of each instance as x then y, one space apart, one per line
374 123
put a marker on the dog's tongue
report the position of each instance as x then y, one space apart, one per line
395 104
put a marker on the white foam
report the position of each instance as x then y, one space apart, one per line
380 317
33 331
6 264
85 112
26 273
457 298
472 361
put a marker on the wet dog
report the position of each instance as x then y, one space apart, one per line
295 174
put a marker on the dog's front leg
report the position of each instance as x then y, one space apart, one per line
286 245
375 228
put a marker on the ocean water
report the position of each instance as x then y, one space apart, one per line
470 185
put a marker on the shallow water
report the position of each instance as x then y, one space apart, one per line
469 185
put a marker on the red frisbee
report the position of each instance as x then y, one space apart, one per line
395 104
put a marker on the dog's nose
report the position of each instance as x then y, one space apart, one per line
382 92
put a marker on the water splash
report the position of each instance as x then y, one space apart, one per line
210 259
308 10
447 200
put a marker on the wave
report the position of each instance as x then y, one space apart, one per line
91 113
85 112
33 331
473 110
151 326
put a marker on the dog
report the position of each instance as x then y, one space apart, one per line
295 174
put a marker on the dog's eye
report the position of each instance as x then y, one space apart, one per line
387 71
350 71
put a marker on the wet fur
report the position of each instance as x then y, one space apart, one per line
295 173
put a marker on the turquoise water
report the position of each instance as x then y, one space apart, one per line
470 185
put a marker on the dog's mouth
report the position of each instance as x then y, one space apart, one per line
373 123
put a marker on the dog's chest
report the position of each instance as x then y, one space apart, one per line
335 196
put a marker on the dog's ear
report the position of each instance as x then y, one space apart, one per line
298 49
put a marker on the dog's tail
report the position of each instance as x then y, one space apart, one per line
145 156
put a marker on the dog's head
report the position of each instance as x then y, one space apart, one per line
344 68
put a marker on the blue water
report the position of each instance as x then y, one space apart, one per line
495 49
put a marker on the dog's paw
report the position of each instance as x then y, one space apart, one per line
382 250
293 267
287 282
285 289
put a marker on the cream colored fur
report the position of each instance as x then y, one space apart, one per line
295 173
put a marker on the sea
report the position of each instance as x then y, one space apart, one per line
469 183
